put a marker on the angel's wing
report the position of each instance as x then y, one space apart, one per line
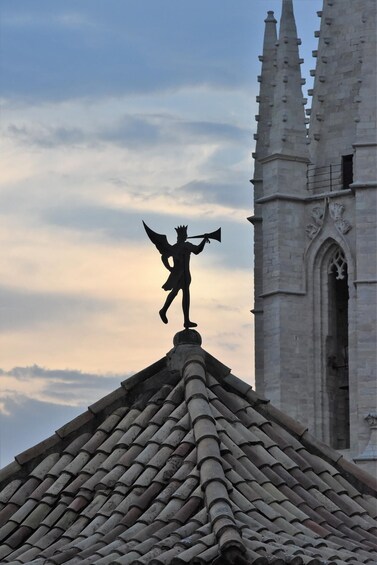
159 240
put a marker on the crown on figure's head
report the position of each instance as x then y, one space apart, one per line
181 230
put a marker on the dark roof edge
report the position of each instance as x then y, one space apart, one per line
144 374
359 478
215 367
83 421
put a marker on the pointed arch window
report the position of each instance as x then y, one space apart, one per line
337 378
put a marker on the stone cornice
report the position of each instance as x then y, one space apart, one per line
365 281
280 196
284 157
283 291
370 144
333 194
256 311
304 199
363 185
255 219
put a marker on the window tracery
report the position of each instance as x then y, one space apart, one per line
338 264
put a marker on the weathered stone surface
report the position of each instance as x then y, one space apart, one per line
305 213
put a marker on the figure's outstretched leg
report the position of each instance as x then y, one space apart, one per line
163 316
186 309
165 307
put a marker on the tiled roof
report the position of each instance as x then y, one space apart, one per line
185 463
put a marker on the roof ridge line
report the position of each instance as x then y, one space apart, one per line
212 476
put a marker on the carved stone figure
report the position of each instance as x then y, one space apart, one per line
336 212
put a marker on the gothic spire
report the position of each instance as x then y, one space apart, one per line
265 100
266 91
288 132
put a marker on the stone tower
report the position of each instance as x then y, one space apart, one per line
316 228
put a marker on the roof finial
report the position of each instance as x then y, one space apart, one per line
187 337
270 17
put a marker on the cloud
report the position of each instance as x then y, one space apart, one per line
152 129
103 221
114 225
214 131
55 395
122 47
62 386
145 47
21 309
229 194
47 137
131 131
66 377
20 429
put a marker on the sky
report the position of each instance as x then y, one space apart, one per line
114 112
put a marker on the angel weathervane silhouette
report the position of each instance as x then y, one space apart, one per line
179 278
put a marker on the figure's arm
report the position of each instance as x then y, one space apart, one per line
196 249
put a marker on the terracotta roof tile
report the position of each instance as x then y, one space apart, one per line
133 416
59 484
7 529
24 491
95 441
111 421
165 411
9 490
51 537
37 515
201 545
37 537
25 557
127 456
109 442
368 503
77 441
132 473
221 411
229 428
195 468
5 550
54 515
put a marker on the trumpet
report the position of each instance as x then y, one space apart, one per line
213 235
